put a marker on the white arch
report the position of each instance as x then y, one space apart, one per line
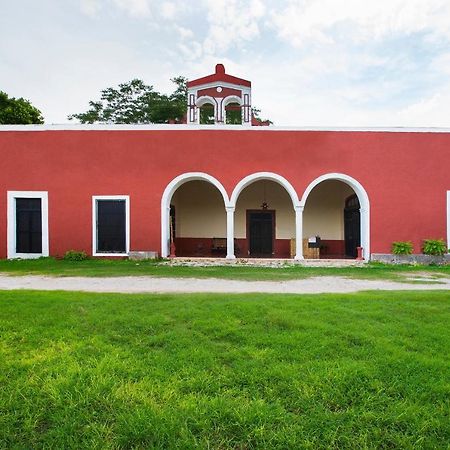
290 190
264 176
205 99
363 202
167 197
232 99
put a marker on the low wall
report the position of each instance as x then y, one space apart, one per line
410 259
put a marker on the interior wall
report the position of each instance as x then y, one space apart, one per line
324 210
277 199
199 211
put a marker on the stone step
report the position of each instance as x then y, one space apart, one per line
263 262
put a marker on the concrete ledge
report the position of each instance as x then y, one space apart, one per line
388 258
262 262
142 255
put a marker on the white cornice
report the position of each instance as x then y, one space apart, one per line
170 127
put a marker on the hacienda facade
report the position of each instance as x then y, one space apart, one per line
219 186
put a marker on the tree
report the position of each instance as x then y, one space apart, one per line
137 102
18 111
265 122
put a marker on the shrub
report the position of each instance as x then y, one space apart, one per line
74 255
402 248
434 247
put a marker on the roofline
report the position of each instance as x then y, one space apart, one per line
183 127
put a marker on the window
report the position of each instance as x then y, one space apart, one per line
27 224
110 225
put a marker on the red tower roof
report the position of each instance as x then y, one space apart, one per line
219 76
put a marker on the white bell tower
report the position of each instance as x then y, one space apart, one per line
219 99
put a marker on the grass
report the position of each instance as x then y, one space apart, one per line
365 370
108 267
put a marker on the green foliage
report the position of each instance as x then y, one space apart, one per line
18 111
256 114
74 255
110 371
434 247
402 248
207 114
137 103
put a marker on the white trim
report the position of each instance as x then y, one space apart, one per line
205 100
213 84
95 198
232 99
167 197
363 202
187 127
264 176
11 223
230 233
448 220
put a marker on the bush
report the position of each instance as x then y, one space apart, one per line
402 248
74 255
434 247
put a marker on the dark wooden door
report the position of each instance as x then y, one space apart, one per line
28 225
352 226
261 233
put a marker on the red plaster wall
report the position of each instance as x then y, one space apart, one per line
406 175
332 248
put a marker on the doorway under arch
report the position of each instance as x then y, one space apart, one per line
336 210
264 216
193 212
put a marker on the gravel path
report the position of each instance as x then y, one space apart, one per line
179 285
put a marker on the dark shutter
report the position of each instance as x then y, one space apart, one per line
111 226
28 225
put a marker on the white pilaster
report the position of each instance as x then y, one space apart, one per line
230 232
448 219
365 232
299 233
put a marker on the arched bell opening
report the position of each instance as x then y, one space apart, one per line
233 114
207 114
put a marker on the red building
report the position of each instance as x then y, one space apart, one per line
226 189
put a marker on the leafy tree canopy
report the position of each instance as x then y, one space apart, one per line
257 116
136 102
18 111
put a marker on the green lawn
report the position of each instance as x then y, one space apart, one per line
94 371
108 267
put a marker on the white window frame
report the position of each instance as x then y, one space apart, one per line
12 225
95 199
448 220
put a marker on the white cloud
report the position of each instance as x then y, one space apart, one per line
231 22
315 21
90 7
134 8
169 10
428 111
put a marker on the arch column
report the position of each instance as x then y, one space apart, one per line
365 232
299 233
165 231
230 232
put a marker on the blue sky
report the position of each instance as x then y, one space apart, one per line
311 62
